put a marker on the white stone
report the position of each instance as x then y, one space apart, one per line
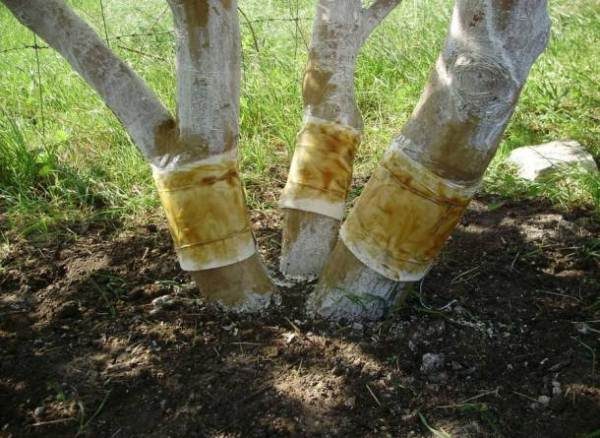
535 162
432 362
544 400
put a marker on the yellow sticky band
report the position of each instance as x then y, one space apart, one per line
321 170
206 213
403 217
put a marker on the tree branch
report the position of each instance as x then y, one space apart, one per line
375 14
138 108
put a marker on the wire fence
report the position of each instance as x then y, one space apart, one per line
110 39
38 92
122 41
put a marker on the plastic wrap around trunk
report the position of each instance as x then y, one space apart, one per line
321 170
403 217
206 212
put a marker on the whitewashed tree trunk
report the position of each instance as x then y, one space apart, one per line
321 170
208 94
194 158
417 194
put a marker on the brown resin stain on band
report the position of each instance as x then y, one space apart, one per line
403 218
207 216
322 165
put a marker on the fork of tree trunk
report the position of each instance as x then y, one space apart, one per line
413 200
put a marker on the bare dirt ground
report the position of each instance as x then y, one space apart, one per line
500 340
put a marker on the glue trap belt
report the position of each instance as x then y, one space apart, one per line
403 217
321 170
206 213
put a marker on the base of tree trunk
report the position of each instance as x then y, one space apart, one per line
244 286
307 241
350 290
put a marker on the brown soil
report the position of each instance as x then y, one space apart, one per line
83 350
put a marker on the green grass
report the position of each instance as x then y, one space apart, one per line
65 157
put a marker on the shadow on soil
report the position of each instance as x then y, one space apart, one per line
516 342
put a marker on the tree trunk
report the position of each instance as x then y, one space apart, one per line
199 183
321 171
419 191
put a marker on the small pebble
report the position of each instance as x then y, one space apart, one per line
544 400
556 389
439 377
456 366
357 327
432 362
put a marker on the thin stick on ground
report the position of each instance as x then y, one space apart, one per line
495 392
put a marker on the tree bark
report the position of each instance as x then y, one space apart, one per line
419 191
321 171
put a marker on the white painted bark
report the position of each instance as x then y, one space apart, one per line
122 90
339 31
349 290
208 76
335 43
453 132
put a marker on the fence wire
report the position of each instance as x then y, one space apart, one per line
154 29
109 39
